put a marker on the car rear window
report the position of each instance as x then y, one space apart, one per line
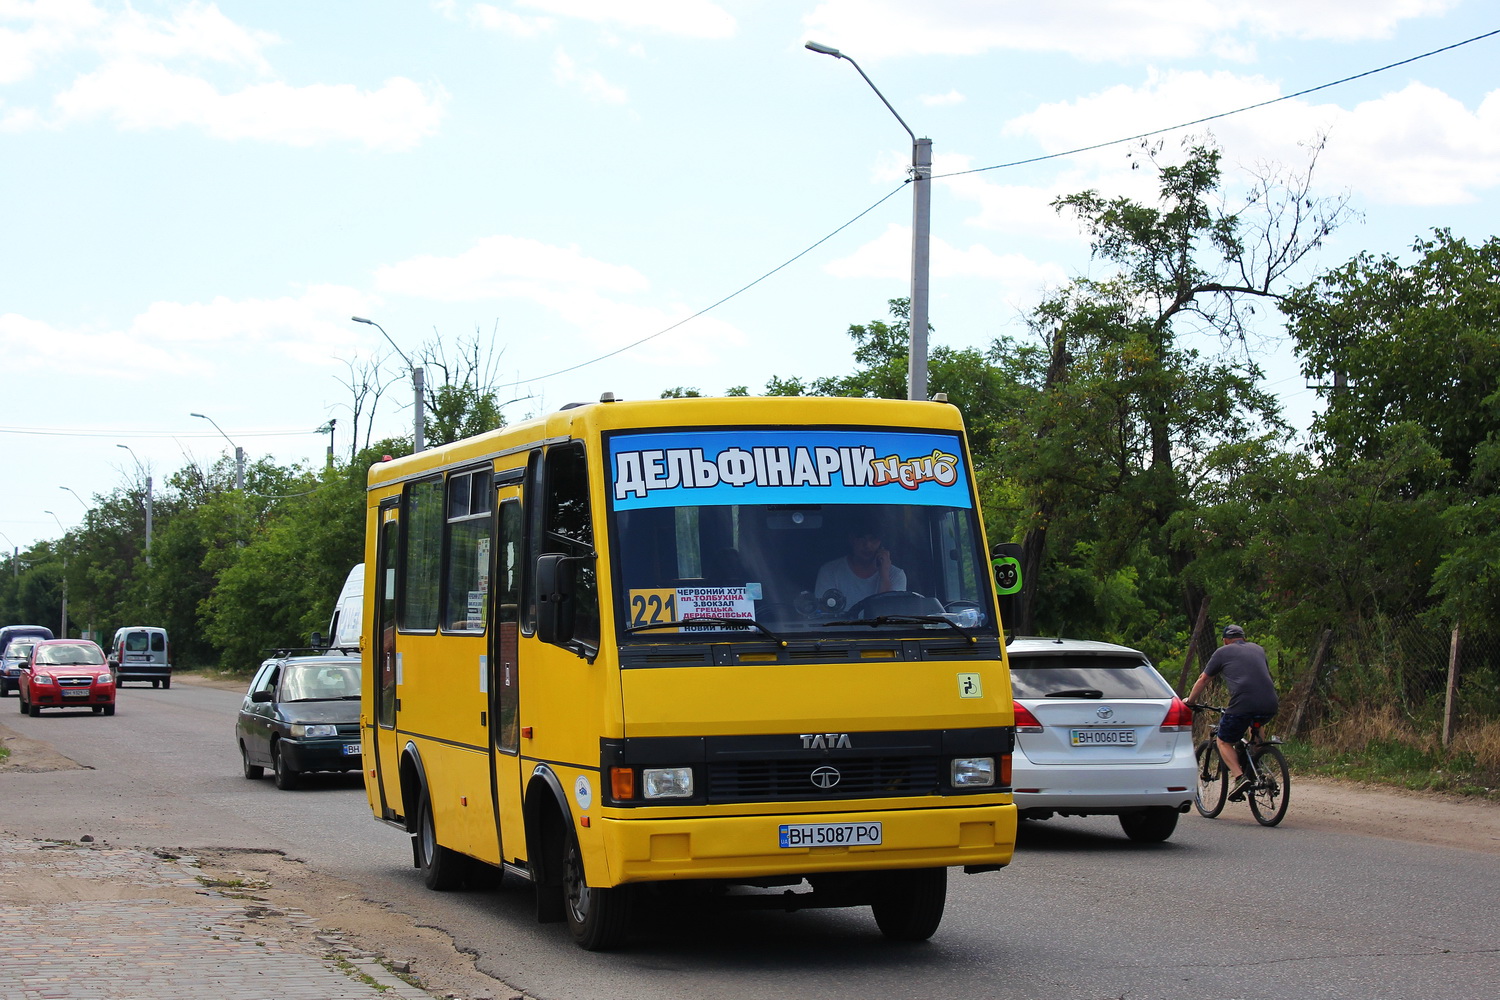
1111 676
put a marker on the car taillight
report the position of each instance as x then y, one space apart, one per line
1025 721
1179 718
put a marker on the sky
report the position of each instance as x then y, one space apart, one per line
196 197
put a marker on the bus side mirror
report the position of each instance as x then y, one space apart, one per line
554 591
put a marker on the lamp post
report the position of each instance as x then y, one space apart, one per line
239 453
328 429
921 227
64 633
417 376
148 501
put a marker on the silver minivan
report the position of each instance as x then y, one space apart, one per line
141 653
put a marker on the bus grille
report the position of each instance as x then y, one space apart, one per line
788 780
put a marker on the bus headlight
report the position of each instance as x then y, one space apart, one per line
667 782
972 772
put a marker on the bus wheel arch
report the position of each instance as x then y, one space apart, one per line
548 820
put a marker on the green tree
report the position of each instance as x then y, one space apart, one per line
1123 418
1412 351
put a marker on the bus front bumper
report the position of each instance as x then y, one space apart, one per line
748 847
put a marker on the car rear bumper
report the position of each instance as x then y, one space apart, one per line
1100 791
142 672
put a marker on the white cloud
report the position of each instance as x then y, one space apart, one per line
138 86
1124 30
508 22
503 266
888 257
1416 146
591 82
585 293
690 18
943 100
196 31
193 340
141 97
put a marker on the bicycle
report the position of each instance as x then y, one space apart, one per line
1260 757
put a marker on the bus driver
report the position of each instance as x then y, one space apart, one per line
864 571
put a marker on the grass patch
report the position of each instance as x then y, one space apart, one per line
1384 749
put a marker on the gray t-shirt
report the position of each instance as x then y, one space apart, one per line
1244 668
837 575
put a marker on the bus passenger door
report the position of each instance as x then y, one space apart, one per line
385 663
505 675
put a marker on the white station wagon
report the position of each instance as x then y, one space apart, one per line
1099 733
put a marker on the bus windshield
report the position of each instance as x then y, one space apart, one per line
799 532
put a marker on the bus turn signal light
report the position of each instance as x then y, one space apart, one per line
622 783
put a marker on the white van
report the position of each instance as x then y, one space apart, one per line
141 653
348 612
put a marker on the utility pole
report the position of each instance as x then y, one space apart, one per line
921 229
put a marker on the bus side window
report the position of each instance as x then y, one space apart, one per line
423 521
568 530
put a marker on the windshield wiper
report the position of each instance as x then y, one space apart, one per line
708 620
908 620
1076 693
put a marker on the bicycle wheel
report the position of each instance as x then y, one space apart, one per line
1213 780
1273 786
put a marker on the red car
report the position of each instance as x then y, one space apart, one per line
64 673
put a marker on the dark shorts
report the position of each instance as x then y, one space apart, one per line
1232 727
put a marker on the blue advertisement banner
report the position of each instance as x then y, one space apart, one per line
696 468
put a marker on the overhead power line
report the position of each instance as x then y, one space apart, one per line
1003 166
1222 114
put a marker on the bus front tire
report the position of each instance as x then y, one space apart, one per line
909 903
597 918
442 868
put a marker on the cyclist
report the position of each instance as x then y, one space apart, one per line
1252 696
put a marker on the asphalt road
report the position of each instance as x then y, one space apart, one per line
1225 909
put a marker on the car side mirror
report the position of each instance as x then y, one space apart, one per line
261 696
316 640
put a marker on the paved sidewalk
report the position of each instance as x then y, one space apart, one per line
109 923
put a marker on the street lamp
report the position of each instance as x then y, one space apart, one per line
239 453
417 376
921 227
64 633
148 500
75 496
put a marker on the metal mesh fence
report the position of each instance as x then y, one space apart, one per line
1397 662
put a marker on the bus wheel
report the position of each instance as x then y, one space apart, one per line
597 917
909 903
442 869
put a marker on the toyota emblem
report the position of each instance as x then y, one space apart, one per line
1105 713
825 777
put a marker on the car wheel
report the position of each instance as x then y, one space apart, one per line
287 776
909 904
156 684
442 868
166 682
598 918
33 710
98 709
109 710
1151 825
252 771
21 701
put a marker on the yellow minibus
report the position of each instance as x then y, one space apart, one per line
745 648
